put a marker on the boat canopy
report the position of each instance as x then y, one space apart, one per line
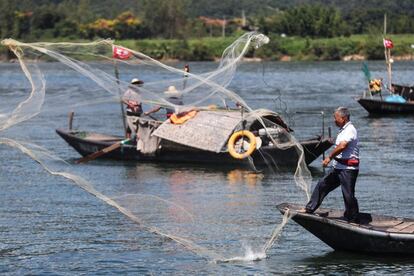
210 130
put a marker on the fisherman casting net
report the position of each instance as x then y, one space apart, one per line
100 74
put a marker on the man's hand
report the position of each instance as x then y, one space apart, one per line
337 150
326 161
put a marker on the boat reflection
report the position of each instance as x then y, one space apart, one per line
180 175
238 176
383 130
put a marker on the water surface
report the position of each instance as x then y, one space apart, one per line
50 225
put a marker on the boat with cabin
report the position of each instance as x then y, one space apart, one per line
207 138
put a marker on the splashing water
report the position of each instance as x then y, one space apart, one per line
249 256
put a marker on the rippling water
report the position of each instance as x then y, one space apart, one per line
50 225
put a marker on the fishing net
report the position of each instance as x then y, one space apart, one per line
37 102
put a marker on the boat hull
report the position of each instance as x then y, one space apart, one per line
172 152
375 106
374 234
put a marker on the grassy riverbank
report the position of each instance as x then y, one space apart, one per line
280 48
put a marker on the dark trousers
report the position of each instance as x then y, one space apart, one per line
345 178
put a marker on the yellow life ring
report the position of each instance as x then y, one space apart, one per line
235 137
179 119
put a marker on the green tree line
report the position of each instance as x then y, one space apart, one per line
194 29
178 19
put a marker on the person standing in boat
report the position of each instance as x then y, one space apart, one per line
375 87
345 170
133 106
174 97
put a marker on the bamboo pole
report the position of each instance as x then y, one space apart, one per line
71 119
387 53
116 71
389 62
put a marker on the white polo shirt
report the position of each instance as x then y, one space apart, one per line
349 134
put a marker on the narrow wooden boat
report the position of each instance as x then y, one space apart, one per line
208 137
373 234
402 100
378 106
86 143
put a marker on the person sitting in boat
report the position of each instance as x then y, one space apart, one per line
345 168
133 106
375 86
174 97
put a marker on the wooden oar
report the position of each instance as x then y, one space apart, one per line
101 152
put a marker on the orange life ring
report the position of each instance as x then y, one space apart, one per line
235 137
179 119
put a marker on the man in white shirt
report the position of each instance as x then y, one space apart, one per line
345 168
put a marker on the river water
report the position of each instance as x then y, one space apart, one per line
50 225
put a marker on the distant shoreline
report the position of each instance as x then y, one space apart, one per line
257 60
353 48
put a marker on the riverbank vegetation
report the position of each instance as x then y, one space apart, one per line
200 30
355 47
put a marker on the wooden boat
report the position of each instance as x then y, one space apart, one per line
199 141
86 143
377 105
380 107
373 234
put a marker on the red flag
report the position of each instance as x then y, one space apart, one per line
388 43
120 53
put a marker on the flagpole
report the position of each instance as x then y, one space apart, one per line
389 70
120 97
387 53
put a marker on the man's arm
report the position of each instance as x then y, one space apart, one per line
337 150
156 109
